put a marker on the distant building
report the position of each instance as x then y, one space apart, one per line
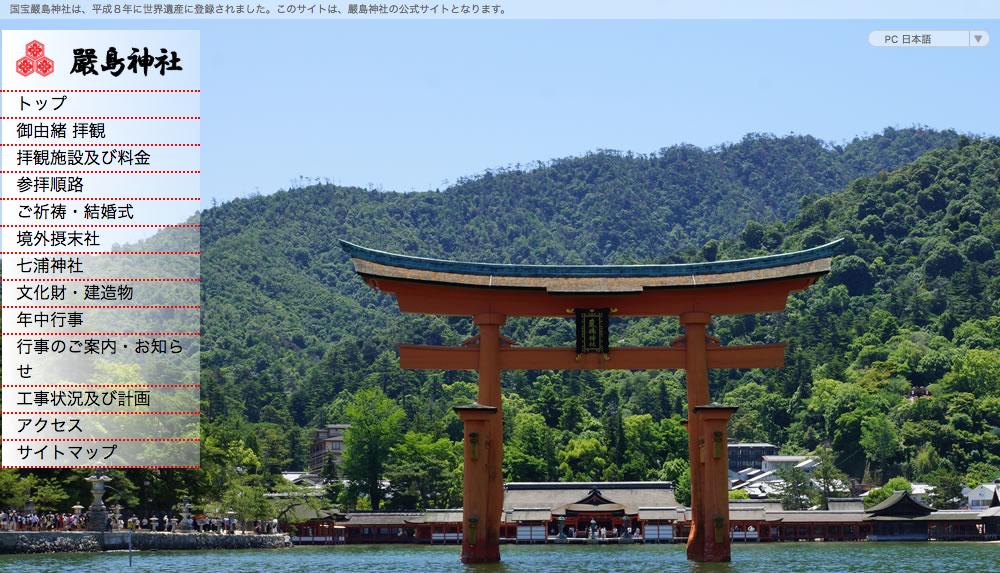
303 478
774 463
649 513
991 518
922 491
980 497
749 455
328 441
616 512
903 518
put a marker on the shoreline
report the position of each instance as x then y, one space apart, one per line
25 542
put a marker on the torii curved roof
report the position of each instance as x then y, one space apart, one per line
374 264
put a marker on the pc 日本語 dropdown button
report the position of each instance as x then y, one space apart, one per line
928 38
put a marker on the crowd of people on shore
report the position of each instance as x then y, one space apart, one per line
202 524
13 520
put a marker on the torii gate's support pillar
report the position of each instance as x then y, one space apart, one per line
696 372
709 536
488 547
714 465
476 547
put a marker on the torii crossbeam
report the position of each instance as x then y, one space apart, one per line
490 293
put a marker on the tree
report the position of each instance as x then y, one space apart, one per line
678 471
286 497
375 429
13 488
710 250
977 372
948 485
944 260
273 450
880 440
813 238
925 461
853 273
531 453
424 473
572 415
761 416
247 501
978 248
48 495
334 487
753 234
226 459
872 227
796 491
830 481
682 488
548 402
583 459
642 440
877 496
980 473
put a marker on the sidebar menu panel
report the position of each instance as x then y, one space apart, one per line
100 175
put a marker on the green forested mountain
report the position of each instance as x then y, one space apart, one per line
293 339
291 334
278 290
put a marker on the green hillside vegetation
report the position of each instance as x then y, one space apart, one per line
293 339
915 277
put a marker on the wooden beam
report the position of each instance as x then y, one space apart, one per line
567 359
419 357
446 300
416 357
753 356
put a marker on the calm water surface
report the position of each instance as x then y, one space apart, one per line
769 557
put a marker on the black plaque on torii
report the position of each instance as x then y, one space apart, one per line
592 330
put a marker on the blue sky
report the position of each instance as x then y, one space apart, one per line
408 105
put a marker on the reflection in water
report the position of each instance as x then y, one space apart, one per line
501 567
710 567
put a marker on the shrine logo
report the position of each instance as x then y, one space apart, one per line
34 60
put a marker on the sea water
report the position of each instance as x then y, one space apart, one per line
789 557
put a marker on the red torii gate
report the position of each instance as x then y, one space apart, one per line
490 293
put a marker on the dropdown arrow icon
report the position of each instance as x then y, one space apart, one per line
978 38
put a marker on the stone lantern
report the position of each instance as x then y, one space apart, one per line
185 525
627 535
76 511
116 515
29 504
98 514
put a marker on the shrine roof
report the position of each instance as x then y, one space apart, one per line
558 497
583 278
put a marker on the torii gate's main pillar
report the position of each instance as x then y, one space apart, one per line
487 549
708 539
696 372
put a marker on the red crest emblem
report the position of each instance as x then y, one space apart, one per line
34 60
